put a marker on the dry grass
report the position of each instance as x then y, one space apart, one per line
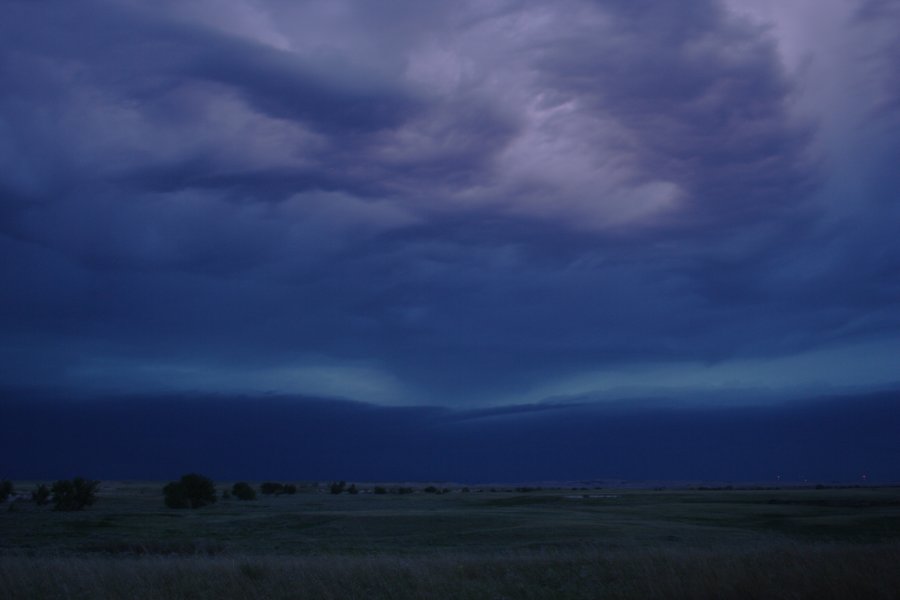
786 570
725 544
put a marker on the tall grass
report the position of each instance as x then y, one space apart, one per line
772 571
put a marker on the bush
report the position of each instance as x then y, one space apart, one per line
271 487
430 490
242 491
191 491
352 489
74 494
337 487
380 489
6 489
40 495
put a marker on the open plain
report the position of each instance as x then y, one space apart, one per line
481 543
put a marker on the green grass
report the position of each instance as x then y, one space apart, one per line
791 543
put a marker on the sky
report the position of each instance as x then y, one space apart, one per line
453 206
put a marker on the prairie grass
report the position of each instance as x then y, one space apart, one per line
776 571
724 544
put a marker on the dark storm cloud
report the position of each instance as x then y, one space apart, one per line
146 88
824 440
453 201
880 18
146 56
705 98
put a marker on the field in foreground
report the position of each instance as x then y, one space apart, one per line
792 543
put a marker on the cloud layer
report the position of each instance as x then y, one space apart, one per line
458 202
849 439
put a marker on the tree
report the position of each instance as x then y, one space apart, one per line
40 495
74 494
191 491
6 489
337 487
242 491
352 489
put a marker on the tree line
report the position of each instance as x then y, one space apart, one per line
65 494
192 490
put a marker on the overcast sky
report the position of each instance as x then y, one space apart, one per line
463 204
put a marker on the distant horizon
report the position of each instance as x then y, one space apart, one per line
834 439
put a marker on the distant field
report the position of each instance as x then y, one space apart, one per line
789 543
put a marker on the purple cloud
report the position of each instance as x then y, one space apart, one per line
449 201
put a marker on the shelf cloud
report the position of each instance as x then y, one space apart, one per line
462 204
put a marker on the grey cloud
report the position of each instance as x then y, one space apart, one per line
148 56
705 96
98 65
170 189
276 83
822 440
878 20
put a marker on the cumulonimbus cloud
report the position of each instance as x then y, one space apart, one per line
466 196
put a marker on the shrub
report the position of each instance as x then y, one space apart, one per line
242 491
6 489
337 487
430 490
271 487
352 489
74 494
191 491
380 489
40 495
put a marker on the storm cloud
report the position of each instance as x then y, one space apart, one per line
843 439
454 204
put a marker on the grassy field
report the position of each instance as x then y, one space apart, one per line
789 543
